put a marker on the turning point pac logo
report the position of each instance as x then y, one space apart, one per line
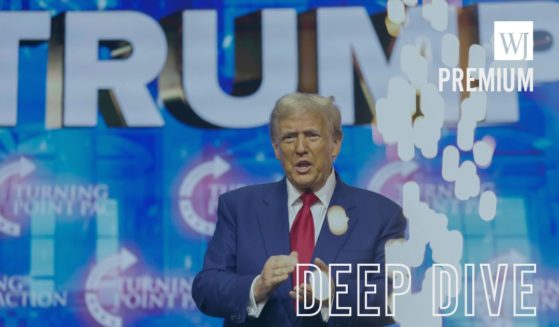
22 198
114 290
199 190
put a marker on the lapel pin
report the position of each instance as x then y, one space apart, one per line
337 220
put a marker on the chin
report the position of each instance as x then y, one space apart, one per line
305 184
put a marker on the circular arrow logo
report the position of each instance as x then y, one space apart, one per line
402 169
119 261
214 168
20 168
116 293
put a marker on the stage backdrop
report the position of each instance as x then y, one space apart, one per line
123 121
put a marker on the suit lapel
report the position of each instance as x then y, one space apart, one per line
328 245
273 219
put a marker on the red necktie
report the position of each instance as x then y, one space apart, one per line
301 236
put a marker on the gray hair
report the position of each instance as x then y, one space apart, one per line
291 103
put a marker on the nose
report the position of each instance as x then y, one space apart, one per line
301 145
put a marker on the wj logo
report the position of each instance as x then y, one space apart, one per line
513 40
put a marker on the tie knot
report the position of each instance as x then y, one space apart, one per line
308 198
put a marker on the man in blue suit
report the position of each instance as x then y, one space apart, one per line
263 231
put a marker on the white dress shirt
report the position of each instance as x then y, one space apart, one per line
294 204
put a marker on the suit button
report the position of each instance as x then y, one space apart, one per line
236 317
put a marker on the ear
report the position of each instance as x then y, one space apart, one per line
337 146
277 150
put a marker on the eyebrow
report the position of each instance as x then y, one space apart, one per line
306 132
288 134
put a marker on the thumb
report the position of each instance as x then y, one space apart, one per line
321 265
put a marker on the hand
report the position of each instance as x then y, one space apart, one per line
276 270
298 292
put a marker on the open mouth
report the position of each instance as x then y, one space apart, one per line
303 166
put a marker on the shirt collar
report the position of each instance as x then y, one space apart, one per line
324 194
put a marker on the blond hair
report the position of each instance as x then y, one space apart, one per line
291 103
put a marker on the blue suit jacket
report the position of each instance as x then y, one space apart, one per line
253 225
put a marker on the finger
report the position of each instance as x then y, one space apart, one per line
278 279
277 272
285 268
281 270
296 296
301 291
305 292
293 295
310 294
321 265
289 260
288 269
277 262
306 295
283 261
291 256
273 259
305 286
273 279
271 274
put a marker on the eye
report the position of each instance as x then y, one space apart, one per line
289 138
314 136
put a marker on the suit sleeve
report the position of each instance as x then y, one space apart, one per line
394 228
218 290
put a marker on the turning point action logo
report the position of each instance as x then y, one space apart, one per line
17 291
109 295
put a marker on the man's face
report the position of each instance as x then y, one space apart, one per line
306 148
